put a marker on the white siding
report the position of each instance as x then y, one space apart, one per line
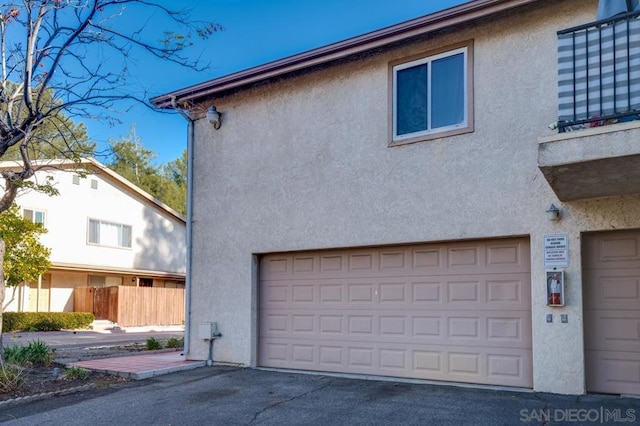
158 241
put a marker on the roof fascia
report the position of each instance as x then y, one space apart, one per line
456 15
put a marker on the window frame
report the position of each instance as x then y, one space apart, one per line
100 244
33 215
465 47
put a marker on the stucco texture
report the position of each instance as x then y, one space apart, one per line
304 163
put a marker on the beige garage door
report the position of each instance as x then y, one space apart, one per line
611 263
456 311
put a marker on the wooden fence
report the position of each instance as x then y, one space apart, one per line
132 306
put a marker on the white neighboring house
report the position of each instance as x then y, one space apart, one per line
102 231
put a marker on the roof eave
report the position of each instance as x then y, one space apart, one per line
77 267
95 164
436 21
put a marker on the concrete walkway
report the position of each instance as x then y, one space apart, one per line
141 366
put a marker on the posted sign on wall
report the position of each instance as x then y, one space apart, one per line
556 250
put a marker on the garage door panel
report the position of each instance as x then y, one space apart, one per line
613 329
491 328
433 362
498 291
611 289
454 311
612 250
613 371
461 258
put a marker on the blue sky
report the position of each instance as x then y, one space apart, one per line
256 32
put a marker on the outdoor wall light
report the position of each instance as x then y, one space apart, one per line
213 117
553 213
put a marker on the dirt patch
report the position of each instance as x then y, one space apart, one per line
44 380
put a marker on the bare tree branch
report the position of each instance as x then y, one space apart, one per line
50 73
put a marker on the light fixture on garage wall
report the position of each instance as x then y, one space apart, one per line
553 213
214 117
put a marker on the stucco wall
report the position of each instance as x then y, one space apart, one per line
16 299
62 285
304 163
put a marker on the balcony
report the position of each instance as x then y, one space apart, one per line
599 73
597 151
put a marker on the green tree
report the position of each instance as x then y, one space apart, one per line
133 161
57 138
176 172
25 258
64 59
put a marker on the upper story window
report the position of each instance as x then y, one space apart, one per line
94 184
109 234
75 179
432 95
35 216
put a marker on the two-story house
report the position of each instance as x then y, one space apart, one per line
102 231
396 204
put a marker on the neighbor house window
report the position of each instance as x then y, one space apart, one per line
109 234
94 184
432 95
76 180
35 216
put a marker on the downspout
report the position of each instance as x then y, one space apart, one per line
187 283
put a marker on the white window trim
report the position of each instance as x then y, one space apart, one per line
465 126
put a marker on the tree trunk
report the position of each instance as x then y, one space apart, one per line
3 289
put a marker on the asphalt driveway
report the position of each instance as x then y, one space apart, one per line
233 396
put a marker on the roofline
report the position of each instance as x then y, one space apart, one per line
92 162
74 267
456 15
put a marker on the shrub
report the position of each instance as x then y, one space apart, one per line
40 354
11 378
76 373
15 355
45 321
153 344
175 343
36 353
45 325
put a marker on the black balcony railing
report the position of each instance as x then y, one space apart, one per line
599 73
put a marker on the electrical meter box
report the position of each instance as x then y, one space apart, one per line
208 330
555 288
